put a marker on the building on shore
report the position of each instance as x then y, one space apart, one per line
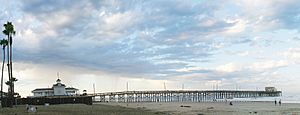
57 89
270 89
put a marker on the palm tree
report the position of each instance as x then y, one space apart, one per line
9 31
11 81
4 43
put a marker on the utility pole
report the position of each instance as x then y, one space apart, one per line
94 97
94 88
182 86
165 85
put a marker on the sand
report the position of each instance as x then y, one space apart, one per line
217 108
77 109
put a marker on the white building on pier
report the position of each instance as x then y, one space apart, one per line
57 89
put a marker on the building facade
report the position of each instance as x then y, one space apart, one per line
57 89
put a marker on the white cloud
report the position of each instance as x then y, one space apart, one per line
190 69
256 66
292 53
267 65
119 21
28 40
208 23
230 67
245 53
265 15
239 26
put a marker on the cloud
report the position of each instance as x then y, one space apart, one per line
230 67
198 42
292 54
239 27
116 36
266 65
272 14
232 73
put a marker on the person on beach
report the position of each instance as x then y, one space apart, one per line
279 102
275 102
230 103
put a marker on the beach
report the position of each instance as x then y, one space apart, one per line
77 109
217 108
168 108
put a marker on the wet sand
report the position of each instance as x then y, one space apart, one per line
217 108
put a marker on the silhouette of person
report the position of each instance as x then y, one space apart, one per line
279 102
275 102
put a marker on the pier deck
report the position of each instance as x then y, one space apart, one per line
180 95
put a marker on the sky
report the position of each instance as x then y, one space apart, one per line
203 44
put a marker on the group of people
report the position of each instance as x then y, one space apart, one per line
279 102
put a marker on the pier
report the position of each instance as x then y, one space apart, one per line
180 95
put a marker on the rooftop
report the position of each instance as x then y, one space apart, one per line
59 84
42 89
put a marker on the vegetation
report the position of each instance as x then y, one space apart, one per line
3 43
78 109
9 32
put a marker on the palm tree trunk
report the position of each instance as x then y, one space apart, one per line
8 68
2 76
11 73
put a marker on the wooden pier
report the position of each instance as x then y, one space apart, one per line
180 95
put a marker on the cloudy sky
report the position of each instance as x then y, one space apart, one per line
202 44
